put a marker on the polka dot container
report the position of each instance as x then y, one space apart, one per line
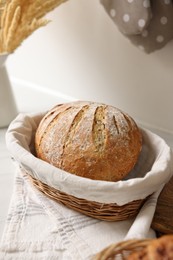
147 23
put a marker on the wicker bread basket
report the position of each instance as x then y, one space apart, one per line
156 248
107 212
102 200
122 249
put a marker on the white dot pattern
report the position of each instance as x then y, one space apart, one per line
167 2
141 23
164 20
126 18
146 3
160 38
147 24
112 12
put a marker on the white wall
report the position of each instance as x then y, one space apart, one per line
81 54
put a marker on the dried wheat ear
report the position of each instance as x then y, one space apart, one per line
20 18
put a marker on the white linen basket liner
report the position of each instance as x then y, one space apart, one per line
153 169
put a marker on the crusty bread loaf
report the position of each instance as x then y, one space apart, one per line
158 249
89 139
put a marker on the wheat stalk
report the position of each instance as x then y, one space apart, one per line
20 18
13 27
8 18
24 33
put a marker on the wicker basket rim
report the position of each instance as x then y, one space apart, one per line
120 249
102 211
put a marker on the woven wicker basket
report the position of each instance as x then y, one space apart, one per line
102 200
122 249
107 212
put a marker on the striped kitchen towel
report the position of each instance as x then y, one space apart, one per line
40 228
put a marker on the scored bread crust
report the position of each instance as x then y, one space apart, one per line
89 139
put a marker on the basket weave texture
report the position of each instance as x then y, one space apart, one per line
102 211
122 249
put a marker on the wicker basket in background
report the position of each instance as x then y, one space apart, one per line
153 249
122 249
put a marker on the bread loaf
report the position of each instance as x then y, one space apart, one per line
158 249
89 139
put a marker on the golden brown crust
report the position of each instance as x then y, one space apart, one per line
89 139
158 249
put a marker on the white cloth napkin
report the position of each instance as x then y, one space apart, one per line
40 228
